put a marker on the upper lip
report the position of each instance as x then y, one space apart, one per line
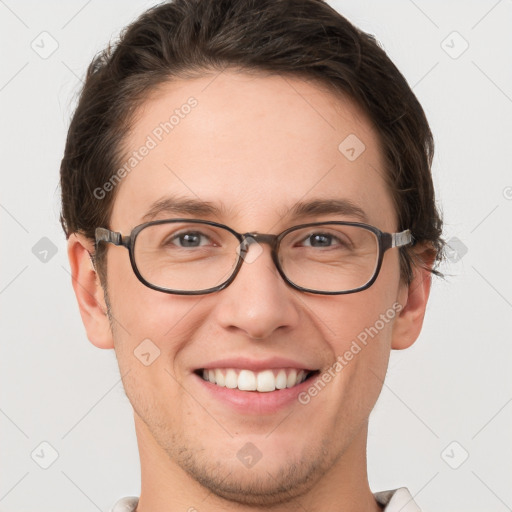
256 365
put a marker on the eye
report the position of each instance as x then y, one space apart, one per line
322 240
187 239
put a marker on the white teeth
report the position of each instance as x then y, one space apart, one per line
292 379
220 379
231 379
266 381
281 380
247 380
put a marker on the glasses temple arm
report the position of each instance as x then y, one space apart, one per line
105 235
402 238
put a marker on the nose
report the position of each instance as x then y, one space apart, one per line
258 302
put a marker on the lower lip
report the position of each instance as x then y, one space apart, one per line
256 402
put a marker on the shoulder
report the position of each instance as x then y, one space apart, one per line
127 504
396 500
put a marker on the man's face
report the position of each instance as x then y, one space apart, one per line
253 147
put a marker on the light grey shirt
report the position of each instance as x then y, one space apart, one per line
396 500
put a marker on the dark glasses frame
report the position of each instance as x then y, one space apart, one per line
386 241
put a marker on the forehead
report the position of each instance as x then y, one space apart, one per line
253 146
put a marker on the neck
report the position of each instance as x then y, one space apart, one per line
166 486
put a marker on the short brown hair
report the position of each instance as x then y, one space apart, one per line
302 38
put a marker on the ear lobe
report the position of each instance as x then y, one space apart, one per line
89 292
414 298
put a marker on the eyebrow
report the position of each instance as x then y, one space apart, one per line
189 206
343 207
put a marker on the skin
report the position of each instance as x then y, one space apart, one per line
256 144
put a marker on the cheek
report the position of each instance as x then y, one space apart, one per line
364 349
140 311
358 330
359 343
150 328
358 318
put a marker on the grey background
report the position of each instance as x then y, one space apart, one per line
453 385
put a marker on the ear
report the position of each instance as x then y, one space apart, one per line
89 292
413 298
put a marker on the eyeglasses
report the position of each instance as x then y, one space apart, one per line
193 257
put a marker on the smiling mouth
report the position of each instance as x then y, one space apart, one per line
264 381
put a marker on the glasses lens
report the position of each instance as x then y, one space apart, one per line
329 257
184 256
192 257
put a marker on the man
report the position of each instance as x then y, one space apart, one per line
248 201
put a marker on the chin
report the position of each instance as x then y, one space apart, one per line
258 486
273 479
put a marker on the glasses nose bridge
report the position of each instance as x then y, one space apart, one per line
260 238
